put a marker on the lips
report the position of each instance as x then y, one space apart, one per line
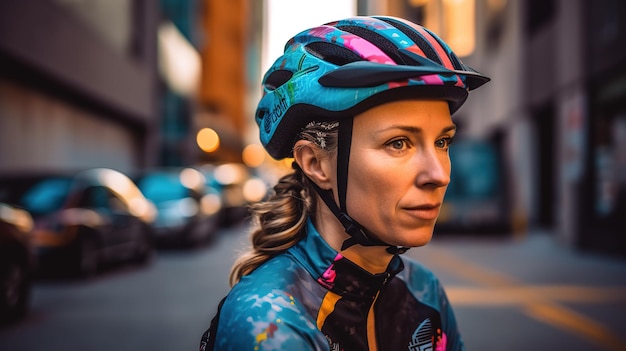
424 212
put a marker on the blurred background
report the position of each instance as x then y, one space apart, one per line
126 130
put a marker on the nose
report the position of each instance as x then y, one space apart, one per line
433 169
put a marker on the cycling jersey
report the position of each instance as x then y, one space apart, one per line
312 298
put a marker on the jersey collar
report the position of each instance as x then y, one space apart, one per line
335 272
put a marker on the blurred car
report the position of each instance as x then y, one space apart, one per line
16 262
476 200
188 211
239 187
85 220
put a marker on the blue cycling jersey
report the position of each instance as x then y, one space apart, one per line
312 298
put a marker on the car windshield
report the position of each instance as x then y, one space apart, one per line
46 196
162 187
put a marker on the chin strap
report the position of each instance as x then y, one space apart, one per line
358 234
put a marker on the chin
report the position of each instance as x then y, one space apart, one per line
415 238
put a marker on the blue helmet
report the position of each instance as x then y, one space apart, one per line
340 69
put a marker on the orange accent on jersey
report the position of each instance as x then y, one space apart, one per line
326 308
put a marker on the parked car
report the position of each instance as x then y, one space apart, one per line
85 220
239 187
16 262
477 199
188 211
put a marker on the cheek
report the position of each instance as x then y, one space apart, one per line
372 189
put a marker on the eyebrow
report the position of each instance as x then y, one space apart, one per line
415 130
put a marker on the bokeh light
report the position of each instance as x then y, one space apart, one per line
191 178
253 155
208 140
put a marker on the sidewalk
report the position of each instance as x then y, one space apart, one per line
530 293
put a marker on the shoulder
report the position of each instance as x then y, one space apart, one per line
422 282
261 312
416 272
427 288
266 288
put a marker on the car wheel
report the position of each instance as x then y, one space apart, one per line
195 235
14 291
145 248
88 257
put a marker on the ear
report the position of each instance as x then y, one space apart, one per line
314 163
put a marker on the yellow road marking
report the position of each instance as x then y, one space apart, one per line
520 295
538 302
571 321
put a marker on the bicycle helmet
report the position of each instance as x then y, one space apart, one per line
336 71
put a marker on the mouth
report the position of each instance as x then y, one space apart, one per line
425 211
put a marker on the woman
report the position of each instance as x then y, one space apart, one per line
364 106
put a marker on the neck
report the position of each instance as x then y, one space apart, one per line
373 259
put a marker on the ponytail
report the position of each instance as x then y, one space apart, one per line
279 223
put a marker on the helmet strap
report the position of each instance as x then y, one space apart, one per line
357 233
344 143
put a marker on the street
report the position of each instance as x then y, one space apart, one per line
165 306
530 293
509 294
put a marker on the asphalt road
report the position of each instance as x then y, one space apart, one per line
531 292
521 294
165 306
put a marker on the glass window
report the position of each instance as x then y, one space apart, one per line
162 187
46 196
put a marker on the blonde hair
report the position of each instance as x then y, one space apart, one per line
278 222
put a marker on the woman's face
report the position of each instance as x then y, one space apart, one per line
400 169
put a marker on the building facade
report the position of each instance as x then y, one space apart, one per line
77 85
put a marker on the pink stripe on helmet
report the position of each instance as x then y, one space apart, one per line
432 79
441 52
358 45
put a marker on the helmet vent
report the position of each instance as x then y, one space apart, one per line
332 53
456 63
277 78
386 46
421 42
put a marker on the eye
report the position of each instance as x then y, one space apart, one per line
444 143
398 144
